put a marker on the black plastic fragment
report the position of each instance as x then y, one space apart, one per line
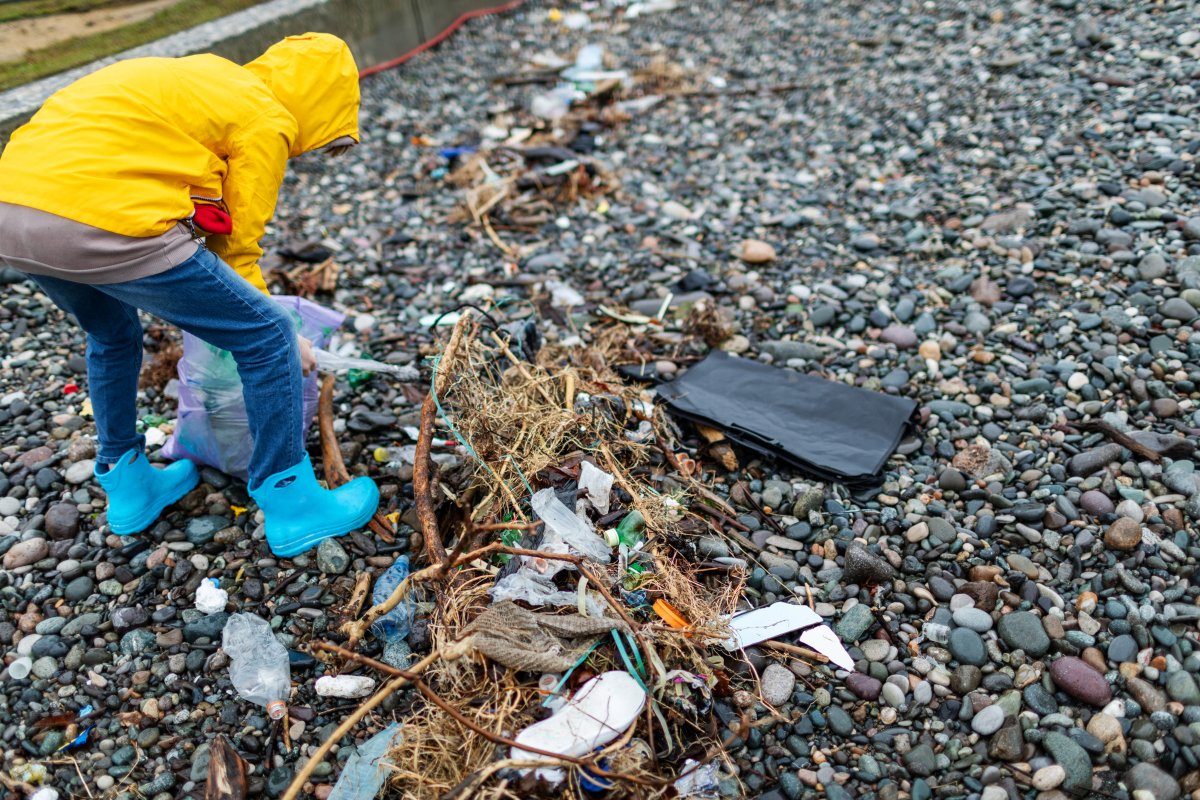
826 429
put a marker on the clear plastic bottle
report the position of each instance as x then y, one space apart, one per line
258 666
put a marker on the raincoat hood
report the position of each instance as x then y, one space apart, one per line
315 78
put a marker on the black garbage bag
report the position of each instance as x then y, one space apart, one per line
826 429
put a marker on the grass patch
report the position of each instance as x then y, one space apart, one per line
24 9
74 52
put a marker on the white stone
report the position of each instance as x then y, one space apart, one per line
1048 778
988 720
1077 381
80 471
9 506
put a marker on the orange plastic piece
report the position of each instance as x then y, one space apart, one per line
670 614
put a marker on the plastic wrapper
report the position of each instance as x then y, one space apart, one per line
538 591
577 533
210 597
364 773
698 780
598 484
211 426
258 665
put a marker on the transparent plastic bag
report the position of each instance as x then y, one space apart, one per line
258 663
211 427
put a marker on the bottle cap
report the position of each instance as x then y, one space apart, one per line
276 709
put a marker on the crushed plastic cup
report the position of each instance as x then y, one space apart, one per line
348 686
365 772
393 627
210 598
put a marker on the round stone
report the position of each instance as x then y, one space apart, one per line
1123 534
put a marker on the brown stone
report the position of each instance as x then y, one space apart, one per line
34 456
984 572
985 594
1146 694
1164 407
1094 658
753 251
1124 534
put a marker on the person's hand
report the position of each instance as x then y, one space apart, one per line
308 360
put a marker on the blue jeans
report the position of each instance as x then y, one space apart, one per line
206 298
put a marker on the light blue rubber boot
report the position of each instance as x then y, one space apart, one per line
300 514
138 493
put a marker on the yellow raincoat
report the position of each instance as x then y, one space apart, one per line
132 147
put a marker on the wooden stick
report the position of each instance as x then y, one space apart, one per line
1121 438
349 722
336 473
802 652
520 365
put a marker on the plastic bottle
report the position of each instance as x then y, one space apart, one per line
366 770
393 627
258 666
632 530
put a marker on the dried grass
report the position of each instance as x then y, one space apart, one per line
522 420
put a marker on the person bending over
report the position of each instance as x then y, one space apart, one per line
147 185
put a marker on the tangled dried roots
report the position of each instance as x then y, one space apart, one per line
708 323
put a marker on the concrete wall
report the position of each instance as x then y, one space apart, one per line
377 31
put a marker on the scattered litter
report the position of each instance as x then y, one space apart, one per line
636 10
348 686
366 770
827 429
20 668
598 485
258 666
598 713
393 627
778 619
210 597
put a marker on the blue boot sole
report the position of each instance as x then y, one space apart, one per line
150 513
310 539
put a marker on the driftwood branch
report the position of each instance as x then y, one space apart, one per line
336 473
435 549
1121 438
